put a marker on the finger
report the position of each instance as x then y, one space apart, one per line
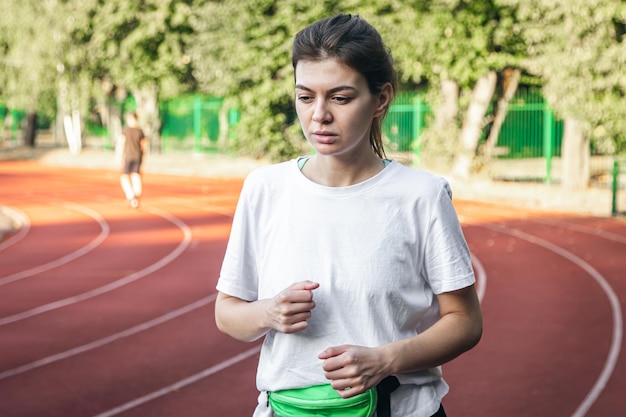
288 297
310 285
333 351
346 389
345 362
289 306
304 285
290 319
293 328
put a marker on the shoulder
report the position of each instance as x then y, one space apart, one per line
269 172
419 181
270 177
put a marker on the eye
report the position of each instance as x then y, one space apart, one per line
304 98
341 99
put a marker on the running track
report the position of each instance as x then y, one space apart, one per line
108 311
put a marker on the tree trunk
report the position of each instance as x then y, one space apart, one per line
149 118
114 122
510 83
30 132
575 156
473 124
447 112
73 131
438 142
68 109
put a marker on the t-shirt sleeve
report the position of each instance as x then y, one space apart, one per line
238 275
447 262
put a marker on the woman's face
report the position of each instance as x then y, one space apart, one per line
335 107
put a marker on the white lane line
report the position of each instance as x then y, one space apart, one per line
182 383
115 284
109 339
104 232
23 222
566 224
481 278
616 342
210 208
583 229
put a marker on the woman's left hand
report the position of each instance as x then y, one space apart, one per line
352 369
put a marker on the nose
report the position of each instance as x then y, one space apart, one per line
321 114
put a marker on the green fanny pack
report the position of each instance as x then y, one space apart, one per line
322 400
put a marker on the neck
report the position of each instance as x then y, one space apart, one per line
335 172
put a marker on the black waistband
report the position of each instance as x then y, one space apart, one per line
384 390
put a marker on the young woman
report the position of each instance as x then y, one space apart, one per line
352 267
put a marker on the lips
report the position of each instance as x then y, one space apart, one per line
323 136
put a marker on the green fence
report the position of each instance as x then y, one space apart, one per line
196 123
530 129
201 123
11 120
192 123
619 170
404 123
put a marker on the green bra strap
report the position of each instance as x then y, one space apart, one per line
301 161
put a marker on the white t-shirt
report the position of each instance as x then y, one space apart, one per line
380 250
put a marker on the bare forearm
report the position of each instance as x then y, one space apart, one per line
287 312
239 319
451 336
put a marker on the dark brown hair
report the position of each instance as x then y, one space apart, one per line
351 40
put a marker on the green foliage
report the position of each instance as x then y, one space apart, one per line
140 44
455 41
449 40
80 50
577 48
29 61
249 57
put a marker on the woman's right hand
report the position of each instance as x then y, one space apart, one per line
286 312
290 309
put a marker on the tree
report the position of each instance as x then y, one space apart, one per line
141 47
510 82
28 63
458 47
248 59
577 48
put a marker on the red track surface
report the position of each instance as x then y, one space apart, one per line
108 311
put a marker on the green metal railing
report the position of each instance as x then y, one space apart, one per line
404 122
200 123
530 130
615 188
195 122
191 123
12 130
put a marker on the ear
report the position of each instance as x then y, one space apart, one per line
384 100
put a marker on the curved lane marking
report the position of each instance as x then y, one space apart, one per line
583 229
616 342
104 232
182 383
595 231
22 219
481 278
115 284
109 339
211 208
